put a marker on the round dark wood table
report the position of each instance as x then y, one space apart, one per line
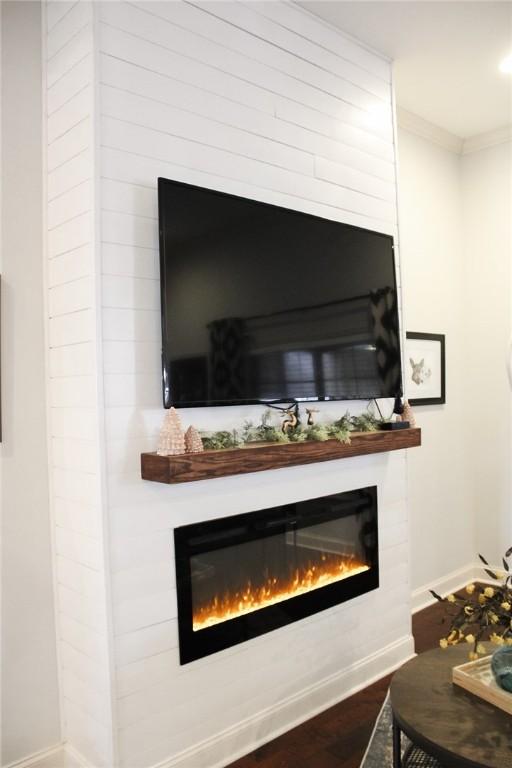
455 727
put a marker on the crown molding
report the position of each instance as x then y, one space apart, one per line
409 121
486 140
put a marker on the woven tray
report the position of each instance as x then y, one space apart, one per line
477 678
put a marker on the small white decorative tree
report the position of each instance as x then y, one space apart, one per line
172 440
193 442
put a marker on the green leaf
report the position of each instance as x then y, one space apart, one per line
482 558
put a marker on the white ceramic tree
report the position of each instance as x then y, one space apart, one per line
172 439
193 442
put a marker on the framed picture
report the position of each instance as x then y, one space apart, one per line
425 379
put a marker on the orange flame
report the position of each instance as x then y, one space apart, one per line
331 569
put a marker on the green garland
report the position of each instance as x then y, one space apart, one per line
366 422
265 432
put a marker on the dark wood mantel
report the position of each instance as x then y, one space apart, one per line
258 457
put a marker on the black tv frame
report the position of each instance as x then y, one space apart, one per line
166 382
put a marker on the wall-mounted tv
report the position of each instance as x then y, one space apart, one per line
263 304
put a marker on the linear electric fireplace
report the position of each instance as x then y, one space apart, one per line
239 577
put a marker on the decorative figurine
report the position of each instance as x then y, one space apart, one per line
291 419
311 418
193 442
172 440
408 414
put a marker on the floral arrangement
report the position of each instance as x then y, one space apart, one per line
266 432
482 612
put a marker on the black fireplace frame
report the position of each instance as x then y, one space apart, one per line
189 540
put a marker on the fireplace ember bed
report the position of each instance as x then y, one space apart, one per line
240 577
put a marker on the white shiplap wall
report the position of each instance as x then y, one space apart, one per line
74 408
261 100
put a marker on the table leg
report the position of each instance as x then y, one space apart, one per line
397 745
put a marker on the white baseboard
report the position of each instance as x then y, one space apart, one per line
76 756
37 757
251 733
64 756
421 597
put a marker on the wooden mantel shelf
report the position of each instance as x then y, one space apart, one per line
256 458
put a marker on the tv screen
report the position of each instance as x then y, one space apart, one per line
266 304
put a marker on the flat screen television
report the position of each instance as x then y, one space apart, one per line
263 304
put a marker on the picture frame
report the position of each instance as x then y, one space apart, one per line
425 372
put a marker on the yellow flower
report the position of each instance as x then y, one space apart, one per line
470 638
443 643
451 598
493 618
506 606
496 639
480 648
500 574
482 599
470 589
489 592
468 610
473 656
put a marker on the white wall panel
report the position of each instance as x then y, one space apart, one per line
241 98
85 668
73 360
74 50
68 173
75 203
70 266
314 29
129 261
67 145
255 99
69 85
71 297
72 112
56 11
72 328
295 46
73 387
77 516
68 26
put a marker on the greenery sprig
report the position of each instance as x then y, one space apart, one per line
221 440
365 422
266 432
481 612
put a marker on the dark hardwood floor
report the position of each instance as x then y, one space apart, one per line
337 738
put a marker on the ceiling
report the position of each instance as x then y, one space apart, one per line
446 55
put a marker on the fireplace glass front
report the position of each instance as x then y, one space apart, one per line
239 577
